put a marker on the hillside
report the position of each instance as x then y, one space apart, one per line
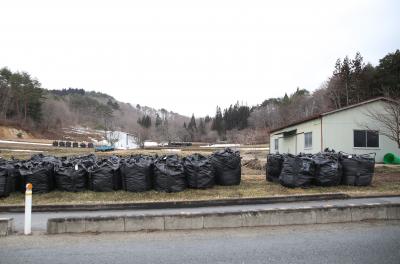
52 114
77 108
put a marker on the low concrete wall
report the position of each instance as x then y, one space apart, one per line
6 226
176 204
253 218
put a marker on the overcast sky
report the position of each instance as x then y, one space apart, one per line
190 56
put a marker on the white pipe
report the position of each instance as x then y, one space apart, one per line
28 210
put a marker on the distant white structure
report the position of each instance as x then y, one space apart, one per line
221 146
122 140
344 129
150 144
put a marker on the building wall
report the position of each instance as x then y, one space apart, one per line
295 144
337 130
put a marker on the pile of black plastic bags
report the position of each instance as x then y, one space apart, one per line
136 173
322 169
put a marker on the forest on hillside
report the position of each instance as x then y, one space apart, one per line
25 104
352 81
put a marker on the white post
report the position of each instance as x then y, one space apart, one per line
28 209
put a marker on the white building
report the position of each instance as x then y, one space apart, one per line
122 140
343 129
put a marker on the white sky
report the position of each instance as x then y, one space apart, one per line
189 56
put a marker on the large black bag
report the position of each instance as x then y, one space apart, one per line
358 170
88 160
105 176
199 171
71 176
7 183
15 175
297 171
39 174
169 174
227 167
9 177
137 173
274 167
328 170
4 178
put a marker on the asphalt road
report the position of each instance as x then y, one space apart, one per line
39 219
364 243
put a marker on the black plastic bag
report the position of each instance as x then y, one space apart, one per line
358 170
88 160
137 173
71 176
15 175
7 179
199 171
328 170
274 167
169 174
297 171
40 174
104 176
227 167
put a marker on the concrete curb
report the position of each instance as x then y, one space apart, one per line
6 226
248 218
178 204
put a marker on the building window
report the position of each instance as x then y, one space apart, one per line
276 144
308 140
366 139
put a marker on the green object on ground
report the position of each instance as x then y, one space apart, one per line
104 148
390 158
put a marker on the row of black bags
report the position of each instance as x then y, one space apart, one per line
322 169
137 173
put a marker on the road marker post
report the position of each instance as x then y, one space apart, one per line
28 209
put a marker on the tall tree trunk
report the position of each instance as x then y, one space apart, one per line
25 111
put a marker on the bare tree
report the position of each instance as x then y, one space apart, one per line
112 136
142 135
388 120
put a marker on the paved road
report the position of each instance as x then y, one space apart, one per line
39 220
364 243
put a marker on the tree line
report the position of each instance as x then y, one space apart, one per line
352 81
25 103
20 97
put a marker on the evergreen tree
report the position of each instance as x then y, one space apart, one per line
388 75
192 124
218 122
144 121
202 127
158 121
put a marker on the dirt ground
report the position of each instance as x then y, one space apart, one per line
12 133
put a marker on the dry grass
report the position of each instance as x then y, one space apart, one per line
57 151
386 181
252 186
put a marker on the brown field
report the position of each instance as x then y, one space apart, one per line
386 181
7 150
